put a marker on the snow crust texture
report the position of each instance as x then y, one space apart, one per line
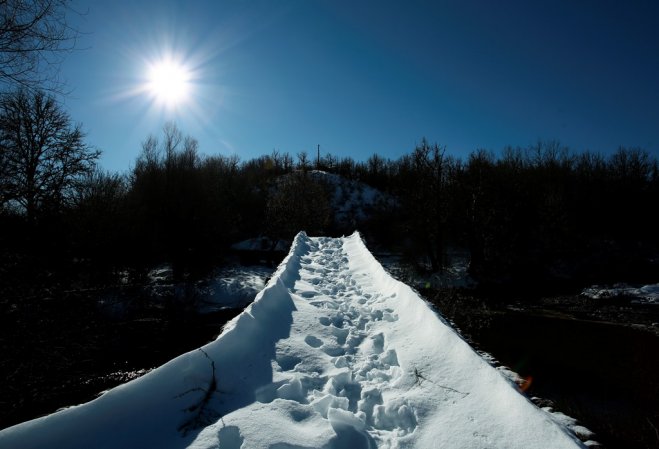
334 354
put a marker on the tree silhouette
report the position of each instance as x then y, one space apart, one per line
423 180
34 35
303 161
297 203
43 153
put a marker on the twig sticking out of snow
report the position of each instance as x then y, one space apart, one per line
653 426
202 414
419 378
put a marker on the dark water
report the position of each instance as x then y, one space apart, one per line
605 375
62 354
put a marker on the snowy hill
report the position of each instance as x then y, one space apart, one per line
350 200
333 353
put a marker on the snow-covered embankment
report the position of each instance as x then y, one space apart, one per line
333 353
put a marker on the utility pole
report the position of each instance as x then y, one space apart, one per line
318 159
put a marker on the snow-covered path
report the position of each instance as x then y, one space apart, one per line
338 359
333 353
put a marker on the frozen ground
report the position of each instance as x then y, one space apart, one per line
454 275
232 287
333 353
646 294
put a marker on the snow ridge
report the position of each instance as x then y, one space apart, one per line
333 353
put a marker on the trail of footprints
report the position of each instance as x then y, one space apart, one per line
363 363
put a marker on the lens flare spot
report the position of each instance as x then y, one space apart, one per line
526 383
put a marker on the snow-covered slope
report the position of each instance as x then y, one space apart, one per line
333 353
352 201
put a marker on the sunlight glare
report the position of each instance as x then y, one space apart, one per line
169 82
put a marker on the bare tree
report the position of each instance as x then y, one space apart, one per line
424 176
287 162
303 161
44 154
34 37
172 139
298 202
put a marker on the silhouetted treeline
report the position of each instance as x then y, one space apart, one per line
543 214
537 214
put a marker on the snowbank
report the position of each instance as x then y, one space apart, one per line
333 353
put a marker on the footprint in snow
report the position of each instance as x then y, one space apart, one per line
229 437
325 304
287 362
312 341
389 315
340 334
333 350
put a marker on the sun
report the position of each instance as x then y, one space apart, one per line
169 82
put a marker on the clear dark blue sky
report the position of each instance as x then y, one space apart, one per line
359 77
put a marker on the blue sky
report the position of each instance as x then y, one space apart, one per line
360 77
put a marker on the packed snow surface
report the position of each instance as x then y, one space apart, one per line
333 353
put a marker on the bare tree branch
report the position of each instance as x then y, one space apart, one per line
44 155
35 36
